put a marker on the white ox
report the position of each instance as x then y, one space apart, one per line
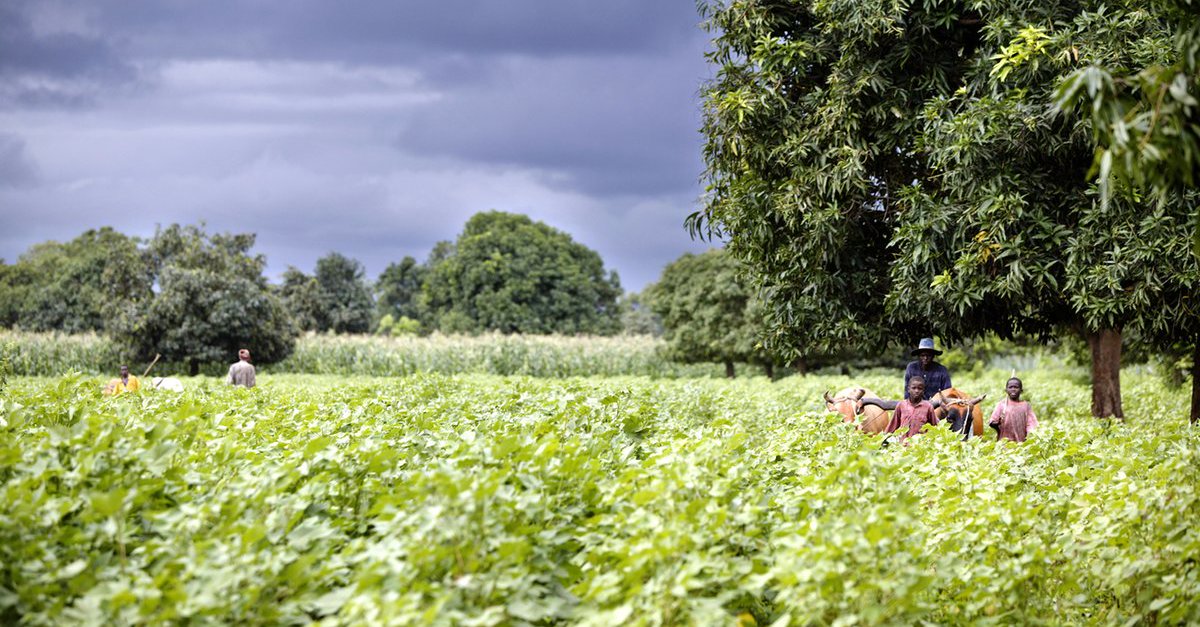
166 383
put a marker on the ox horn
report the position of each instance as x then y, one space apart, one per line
880 403
828 401
978 400
861 393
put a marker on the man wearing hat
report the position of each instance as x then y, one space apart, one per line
937 378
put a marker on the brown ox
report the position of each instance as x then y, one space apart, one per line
849 403
955 406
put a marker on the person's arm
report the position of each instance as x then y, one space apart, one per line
1031 422
229 377
896 420
252 372
946 371
908 373
933 419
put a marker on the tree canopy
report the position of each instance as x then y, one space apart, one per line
336 299
212 300
894 171
398 290
73 287
510 274
1146 115
707 312
346 304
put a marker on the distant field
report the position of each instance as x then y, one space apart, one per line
481 500
533 355
48 354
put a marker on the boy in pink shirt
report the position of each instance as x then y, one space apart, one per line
914 412
1013 418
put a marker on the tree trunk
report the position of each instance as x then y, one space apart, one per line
769 370
729 369
193 368
1196 382
1106 373
800 366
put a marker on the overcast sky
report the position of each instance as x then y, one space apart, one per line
373 129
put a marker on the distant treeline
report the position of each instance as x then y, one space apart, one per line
196 298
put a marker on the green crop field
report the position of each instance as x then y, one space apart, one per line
482 500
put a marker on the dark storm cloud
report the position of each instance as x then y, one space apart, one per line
374 129
619 125
53 68
389 32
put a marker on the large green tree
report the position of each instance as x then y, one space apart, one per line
707 312
212 299
81 285
811 131
895 169
336 298
1146 123
301 296
346 304
510 274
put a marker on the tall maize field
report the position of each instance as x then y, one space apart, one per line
45 354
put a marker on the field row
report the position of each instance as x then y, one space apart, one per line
49 354
480 500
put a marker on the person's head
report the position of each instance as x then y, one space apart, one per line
1013 388
124 371
244 354
925 351
916 388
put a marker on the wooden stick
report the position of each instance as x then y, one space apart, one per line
156 356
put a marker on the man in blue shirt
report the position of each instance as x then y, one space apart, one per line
937 378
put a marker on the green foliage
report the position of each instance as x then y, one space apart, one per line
1146 115
336 299
212 300
53 354
47 354
510 274
485 500
707 312
78 286
400 326
811 127
898 170
533 355
301 296
346 305
7 351
398 290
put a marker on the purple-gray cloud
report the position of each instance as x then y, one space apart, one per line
371 128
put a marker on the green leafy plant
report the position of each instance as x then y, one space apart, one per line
479 499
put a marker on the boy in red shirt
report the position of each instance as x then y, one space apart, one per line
1013 418
914 412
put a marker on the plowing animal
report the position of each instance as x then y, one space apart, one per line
849 403
166 383
961 413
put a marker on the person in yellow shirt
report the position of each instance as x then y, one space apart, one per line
125 383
